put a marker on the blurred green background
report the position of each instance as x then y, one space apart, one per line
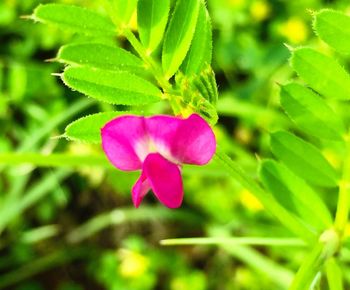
73 227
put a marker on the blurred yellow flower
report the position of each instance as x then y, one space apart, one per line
249 201
295 30
260 10
132 264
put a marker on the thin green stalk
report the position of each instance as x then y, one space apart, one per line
12 209
54 160
326 247
252 241
310 267
153 66
341 218
334 275
265 198
261 264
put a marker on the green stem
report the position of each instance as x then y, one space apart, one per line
14 207
54 160
326 247
265 198
253 241
152 65
334 275
341 218
308 270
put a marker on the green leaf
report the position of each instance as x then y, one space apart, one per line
201 47
294 194
115 87
98 56
311 113
152 17
333 27
179 35
322 73
74 18
88 129
303 159
122 10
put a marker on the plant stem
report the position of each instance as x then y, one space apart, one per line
342 213
153 66
325 248
334 275
54 160
265 198
253 241
309 268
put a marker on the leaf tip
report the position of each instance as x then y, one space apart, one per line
289 47
28 17
313 13
51 59
57 74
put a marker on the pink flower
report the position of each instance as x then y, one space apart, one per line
158 145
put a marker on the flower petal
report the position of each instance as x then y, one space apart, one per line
140 189
165 180
120 138
190 140
194 142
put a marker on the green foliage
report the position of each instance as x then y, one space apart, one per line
201 46
322 73
114 87
122 11
152 20
311 113
74 18
99 56
294 194
303 159
88 128
179 35
119 62
333 27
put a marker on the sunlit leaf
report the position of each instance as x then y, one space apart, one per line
201 47
303 159
115 87
87 129
294 194
122 10
310 112
152 17
74 18
322 73
333 27
99 56
179 35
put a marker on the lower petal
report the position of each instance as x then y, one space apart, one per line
164 177
140 189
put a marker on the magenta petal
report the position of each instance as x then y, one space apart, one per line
194 142
140 189
165 180
190 140
120 138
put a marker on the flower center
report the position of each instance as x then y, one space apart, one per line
147 145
